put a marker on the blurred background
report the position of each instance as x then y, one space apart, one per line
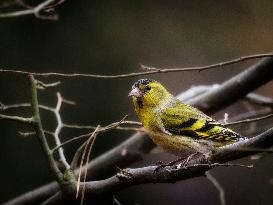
114 37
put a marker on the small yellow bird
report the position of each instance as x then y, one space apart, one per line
177 127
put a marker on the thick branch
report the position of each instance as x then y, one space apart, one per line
236 87
195 168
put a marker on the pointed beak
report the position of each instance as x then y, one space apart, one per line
135 92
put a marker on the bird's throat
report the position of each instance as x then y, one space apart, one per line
139 101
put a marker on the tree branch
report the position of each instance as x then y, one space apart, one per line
149 72
22 120
58 130
217 185
237 87
40 131
196 167
138 145
36 11
259 100
171 174
250 120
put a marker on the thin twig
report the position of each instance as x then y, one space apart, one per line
23 4
87 160
249 120
4 107
100 129
19 105
77 155
85 145
74 126
91 138
33 11
217 185
259 100
19 119
27 134
58 130
56 112
251 114
151 69
115 201
42 85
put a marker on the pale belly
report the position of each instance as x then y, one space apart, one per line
181 145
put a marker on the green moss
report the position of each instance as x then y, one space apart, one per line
68 183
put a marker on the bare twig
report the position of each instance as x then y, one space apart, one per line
56 112
90 140
36 11
151 71
40 131
77 155
103 129
23 4
202 68
19 119
251 114
42 85
4 107
19 105
94 135
115 201
27 134
250 120
111 126
58 130
259 100
217 185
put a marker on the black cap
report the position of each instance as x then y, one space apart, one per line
143 82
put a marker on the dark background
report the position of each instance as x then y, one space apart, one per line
113 37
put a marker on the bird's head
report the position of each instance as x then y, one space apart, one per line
148 93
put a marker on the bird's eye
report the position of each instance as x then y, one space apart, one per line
147 88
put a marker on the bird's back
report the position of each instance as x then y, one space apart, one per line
184 127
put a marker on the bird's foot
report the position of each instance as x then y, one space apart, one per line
186 160
161 165
123 174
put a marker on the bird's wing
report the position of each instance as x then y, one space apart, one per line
184 120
